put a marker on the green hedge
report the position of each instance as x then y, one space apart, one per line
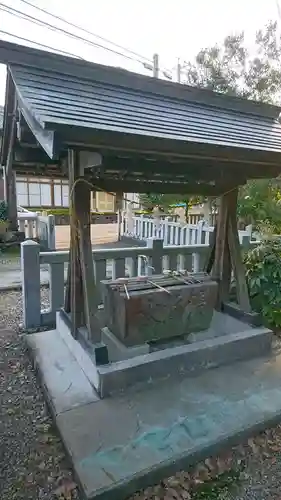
65 211
62 211
3 211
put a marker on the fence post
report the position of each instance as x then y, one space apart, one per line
56 291
30 268
245 243
51 235
157 254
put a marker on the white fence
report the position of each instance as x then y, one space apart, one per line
172 233
37 227
108 263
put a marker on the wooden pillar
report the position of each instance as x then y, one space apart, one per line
10 177
93 201
236 255
12 201
81 296
73 294
227 254
118 208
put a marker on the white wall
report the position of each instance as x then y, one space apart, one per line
131 197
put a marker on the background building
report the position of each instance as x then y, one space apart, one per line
44 192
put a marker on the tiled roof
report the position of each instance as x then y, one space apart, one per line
56 99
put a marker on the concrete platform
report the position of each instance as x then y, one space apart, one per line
123 443
227 340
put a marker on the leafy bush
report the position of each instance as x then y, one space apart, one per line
3 211
263 268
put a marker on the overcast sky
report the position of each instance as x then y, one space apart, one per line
173 28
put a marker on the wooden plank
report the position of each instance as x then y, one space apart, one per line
226 272
90 295
211 257
222 266
75 291
67 286
236 256
220 239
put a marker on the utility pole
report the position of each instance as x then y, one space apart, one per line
179 71
156 65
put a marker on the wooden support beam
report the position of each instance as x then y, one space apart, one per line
227 254
222 267
9 175
211 257
83 193
74 290
81 296
236 256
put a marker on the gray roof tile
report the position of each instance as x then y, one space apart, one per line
54 98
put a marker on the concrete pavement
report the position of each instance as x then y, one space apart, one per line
129 441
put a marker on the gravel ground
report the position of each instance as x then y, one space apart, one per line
33 464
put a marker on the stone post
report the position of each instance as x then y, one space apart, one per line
157 254
51 234
30 269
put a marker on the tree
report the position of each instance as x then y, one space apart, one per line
165 201
260 204
230 69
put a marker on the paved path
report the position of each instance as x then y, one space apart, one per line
103 236
100 233
10 275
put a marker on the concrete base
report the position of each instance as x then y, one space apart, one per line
118 351
121 444
178 360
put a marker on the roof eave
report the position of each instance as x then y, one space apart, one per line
11 53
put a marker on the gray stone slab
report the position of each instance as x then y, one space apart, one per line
65 383
190 359
121 444
82 357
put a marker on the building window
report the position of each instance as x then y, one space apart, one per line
105 202
32 192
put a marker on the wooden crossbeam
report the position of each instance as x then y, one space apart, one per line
181 187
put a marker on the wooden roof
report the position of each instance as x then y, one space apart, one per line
153 135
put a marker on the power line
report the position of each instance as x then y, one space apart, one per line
41 44
55 16
35 20
164 71
41 22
